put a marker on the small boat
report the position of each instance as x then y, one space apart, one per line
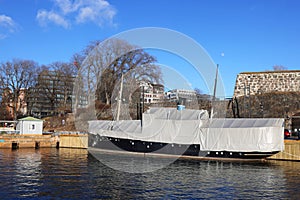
191 133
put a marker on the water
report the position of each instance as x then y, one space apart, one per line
75 174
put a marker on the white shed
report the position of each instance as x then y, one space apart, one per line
30 126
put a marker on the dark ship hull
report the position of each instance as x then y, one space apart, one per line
116 145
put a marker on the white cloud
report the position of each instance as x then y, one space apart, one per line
2 36
44 17
7 26
6 21
67 12
98 12
66 6
85 14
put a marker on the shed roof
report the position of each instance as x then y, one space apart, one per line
29 119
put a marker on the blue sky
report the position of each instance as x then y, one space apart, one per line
253 35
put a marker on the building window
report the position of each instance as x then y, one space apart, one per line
32 127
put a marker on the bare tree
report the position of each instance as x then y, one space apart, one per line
66 74
78 93
102 66
198 91
54 87
106 62
279 68
16 77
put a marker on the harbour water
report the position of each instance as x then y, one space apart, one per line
50 173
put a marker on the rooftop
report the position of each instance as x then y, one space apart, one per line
270 72
29 119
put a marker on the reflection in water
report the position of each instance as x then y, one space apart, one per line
28 171
41 173
75 174
20 171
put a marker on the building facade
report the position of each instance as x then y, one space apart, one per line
271 94
251 83
181 96
152 93
8 104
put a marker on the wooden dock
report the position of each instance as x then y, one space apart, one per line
291 151
73 141
15 141
26 141
80 141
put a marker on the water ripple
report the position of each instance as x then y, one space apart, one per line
75 174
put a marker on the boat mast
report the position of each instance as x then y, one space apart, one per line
214 94
120 98
143 106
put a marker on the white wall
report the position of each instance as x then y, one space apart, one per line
30 127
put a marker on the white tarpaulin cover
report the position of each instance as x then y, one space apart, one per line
168 125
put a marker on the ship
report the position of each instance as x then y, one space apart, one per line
189 133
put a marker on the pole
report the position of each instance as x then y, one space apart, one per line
142 106
143 99
245 95
137 111
120 98
249 101
214 94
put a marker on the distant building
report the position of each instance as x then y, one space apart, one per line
152 93
22 104
51 95
8 103
181 96
251 83
271 94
